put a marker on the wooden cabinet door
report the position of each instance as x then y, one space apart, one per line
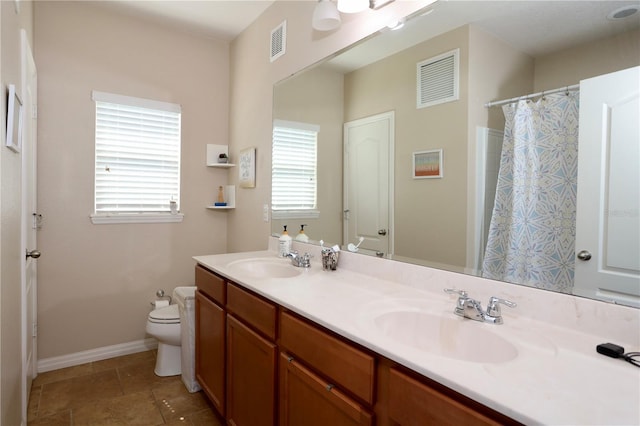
306 399
210 350
412 403
251 375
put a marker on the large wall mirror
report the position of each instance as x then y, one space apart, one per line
412 167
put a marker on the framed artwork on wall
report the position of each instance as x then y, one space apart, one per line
427 164
14 120
247 168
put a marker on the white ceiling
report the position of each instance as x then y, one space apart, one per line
223 19
534 26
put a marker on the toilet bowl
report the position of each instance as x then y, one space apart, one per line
174 328
164 325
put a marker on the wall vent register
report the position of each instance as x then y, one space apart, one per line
438 79
278 41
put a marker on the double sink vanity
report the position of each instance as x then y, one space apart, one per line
378 342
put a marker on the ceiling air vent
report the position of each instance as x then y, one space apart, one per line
438 79
278 41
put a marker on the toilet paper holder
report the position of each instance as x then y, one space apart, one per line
161 295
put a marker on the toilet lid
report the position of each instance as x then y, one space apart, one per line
168 313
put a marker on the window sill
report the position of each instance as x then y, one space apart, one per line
105 219
295 214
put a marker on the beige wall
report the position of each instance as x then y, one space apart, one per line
321 91
96 281
496 71
252 80
10 218
430 214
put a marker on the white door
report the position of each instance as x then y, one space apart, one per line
368 182
608 219
30 222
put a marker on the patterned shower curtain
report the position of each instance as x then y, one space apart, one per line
531 238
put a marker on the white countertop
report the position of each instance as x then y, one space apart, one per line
557 376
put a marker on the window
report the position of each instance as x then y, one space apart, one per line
137 168
294 164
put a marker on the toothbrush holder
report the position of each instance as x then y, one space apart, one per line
329 259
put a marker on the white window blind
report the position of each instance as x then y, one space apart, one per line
137 154
294 164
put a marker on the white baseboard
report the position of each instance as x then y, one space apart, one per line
98 354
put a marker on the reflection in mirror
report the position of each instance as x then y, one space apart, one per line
367 106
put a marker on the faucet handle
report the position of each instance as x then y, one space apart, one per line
306 259
463 296
460 293
493 308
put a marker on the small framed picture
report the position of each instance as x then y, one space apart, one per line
14 120
427 164
247 168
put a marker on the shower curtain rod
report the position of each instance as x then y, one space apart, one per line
544 92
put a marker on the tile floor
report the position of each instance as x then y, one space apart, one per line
117 391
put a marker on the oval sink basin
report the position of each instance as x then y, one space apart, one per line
265 268
449 337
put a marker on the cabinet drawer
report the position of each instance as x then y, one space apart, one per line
255 311
414 403
210 284
347 366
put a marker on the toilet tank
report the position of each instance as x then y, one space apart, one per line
184 295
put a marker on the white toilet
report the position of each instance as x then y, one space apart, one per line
164 325
173 326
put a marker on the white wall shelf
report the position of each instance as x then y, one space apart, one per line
221 207
229 198
213 152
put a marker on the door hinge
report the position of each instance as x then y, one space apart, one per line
35 330
34 111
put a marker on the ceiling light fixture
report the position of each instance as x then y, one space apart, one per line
352 6
325 16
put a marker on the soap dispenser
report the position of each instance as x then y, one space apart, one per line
302 237
284 243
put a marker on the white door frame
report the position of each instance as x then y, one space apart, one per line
479 210
29 223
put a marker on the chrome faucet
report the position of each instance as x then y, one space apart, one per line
303 261
470 308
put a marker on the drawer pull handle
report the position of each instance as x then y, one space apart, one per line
329 387
289 358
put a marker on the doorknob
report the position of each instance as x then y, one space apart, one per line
382 232
33 253
584 255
